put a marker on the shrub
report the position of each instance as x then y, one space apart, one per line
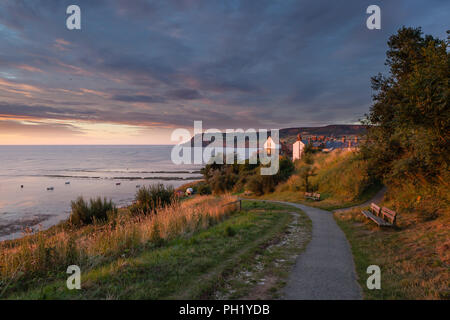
96 210
262 184
286 169
148 199
203 188
305 173
255 186
230 232
223 180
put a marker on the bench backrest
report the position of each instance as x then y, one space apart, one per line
376 210
308 194
317 195
389 215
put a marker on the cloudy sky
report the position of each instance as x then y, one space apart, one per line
139 69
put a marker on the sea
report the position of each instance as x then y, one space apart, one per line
38 183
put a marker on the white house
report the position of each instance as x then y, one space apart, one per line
270 146
297 149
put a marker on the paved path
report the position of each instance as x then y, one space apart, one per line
326 269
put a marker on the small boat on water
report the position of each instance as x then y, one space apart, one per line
138 186
118 183
21 186
50 189
67 182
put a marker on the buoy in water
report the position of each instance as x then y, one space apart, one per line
21 186
50 188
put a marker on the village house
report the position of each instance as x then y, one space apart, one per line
297 148
323 143
270 146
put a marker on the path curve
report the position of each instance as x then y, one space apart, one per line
325 270
377 199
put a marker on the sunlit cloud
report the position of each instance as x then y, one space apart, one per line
29 68
139 69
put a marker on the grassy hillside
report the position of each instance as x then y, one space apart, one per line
199 251
341 177
414 258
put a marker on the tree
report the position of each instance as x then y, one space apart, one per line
410 118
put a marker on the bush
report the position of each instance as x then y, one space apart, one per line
223 180
260 185
255 186
305 173
149 199
203 188
230 232
96 210
235 177
286 169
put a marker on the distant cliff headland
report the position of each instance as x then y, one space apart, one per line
289 135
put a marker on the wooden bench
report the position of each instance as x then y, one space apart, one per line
383 217
312 196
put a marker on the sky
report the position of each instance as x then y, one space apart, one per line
139 69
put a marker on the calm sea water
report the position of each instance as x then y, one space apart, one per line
73 171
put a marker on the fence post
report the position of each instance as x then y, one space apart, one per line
240 205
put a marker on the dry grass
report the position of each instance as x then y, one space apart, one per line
341 178
50 251
414 258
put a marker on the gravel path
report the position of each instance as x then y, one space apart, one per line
326 269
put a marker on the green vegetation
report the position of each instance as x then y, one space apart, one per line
200 248
203 263
202 188
236 178
407 148
48 253
96 210
341 177
149 199
414 258
408 139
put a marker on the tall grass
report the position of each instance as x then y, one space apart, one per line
342 175
44 253
415 193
